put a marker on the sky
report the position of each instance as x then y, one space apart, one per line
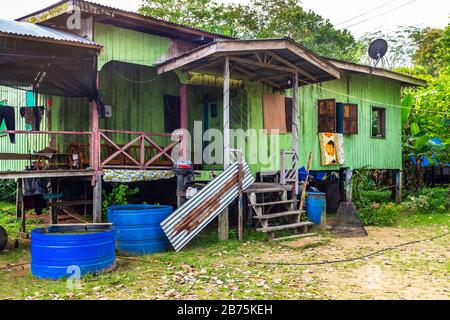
362 16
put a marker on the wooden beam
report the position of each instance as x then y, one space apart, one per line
224 217
252 77
262 65
348 66
46 174
291 65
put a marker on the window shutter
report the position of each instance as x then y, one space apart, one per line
327 115
350 119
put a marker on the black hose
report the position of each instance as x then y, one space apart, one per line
350 259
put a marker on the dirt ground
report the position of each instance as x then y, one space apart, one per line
231 270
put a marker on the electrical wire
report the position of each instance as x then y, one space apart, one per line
367 256
365 13
379 103
381 14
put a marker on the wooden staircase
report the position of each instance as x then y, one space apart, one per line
275 209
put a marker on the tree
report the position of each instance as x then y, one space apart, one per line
260 19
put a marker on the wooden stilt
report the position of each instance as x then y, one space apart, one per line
398 186
348 185
224 217
97 199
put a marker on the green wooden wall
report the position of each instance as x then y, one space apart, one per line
361 150
129 46
129 83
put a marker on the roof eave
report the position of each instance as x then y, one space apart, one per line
360 68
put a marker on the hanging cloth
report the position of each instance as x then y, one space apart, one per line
328 149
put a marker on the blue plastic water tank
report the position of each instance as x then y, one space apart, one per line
316 204
138 230
62 251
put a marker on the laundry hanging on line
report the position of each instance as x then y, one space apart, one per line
332 148
8 117
33 117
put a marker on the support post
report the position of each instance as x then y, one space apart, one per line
224 216
398 186
241 198
97 199
348 187
295 128
183 119
95 161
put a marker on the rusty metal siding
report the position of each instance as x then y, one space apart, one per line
24 144
179 238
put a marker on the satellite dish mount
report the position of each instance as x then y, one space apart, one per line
377 50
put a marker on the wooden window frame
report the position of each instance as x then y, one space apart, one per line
349 119
330 118
383 116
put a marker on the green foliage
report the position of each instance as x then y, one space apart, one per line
8 191
375 207
119 195
380 215
429 201
260 19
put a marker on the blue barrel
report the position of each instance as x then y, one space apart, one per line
138 228
316 205
62 251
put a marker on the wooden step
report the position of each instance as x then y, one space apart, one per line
279 215
285 227
272 203
268 188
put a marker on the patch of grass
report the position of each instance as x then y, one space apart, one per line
417 220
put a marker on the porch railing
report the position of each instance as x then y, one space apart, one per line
92 150
142 151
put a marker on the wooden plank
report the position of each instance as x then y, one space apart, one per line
279 215
293 66
45 174
271 203
285 227
262 65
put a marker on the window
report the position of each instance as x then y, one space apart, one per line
378 122
350 119
327 116
172 113
337 117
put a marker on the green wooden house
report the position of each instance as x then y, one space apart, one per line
155 77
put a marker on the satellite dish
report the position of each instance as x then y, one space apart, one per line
377 50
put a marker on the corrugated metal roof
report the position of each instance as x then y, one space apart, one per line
185 223
133 14
41 32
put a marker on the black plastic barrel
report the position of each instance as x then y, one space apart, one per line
138 228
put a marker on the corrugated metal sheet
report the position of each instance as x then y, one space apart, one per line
38 31
175 226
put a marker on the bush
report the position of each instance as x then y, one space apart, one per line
428 201
8 191
380 214
119 195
